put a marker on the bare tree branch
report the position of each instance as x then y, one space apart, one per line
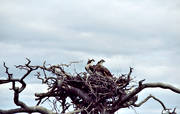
140 88
28 109
146 99
17 91
161 85
88 93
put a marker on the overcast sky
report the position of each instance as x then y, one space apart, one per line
144 34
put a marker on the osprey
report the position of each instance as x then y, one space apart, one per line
89 67
100 69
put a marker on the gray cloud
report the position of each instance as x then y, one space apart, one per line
143 34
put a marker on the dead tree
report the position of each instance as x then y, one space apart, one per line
88 94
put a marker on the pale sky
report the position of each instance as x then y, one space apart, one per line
144 34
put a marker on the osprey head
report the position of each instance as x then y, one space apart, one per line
90 61
101 61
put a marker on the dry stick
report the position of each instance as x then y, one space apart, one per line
7 71
17 91
140 88
146 99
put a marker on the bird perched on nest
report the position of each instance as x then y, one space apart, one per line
89 67
100 69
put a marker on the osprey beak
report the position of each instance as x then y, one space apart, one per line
103 60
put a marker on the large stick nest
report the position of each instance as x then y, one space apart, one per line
91 92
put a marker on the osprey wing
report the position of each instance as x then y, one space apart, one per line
107 72
102 71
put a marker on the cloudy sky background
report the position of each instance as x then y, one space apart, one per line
144 34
